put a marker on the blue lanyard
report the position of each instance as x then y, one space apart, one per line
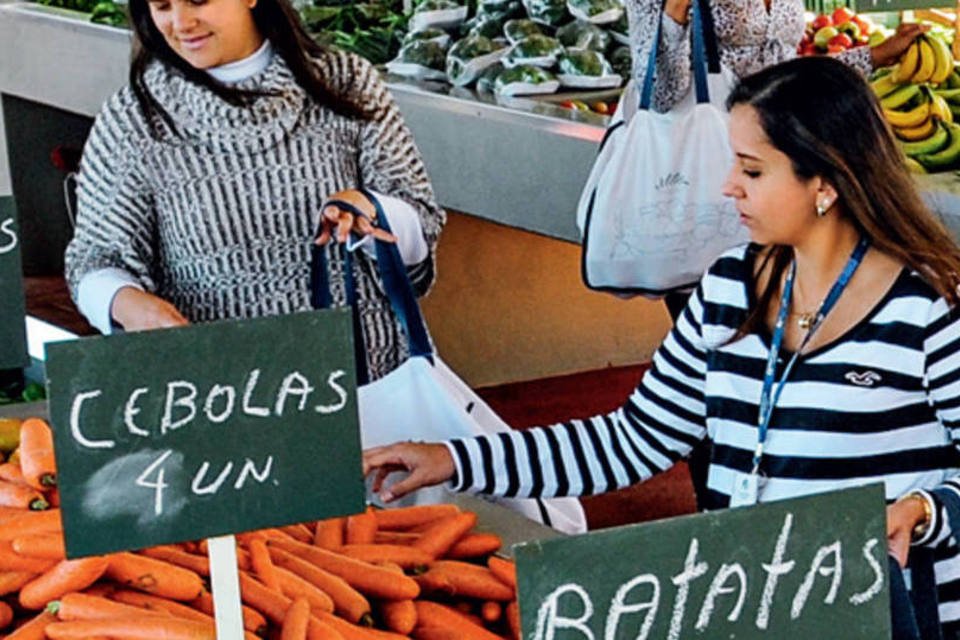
769 397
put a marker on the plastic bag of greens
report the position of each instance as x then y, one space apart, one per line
486 25
538 51
439 36
620 30
586 69
551 12
469 57
493 5
437 14
517 30
524 80
420 59
596 11
583 35
622 62
486 83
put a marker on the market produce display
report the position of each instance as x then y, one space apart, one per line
413 572
373 29
920 97
838 31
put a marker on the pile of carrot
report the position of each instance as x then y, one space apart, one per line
412 572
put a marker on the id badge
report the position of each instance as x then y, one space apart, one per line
746 490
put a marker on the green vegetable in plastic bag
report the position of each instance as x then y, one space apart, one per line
462 53
517 30
425 53
534 47
580 34
583 62
621 26
426 34
552 12
486 25
487 80
436 5
594 7
523 73
622 62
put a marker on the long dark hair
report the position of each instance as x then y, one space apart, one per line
825 118
277 21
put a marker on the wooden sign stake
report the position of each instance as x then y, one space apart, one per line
225 582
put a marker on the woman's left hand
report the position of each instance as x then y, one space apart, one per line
890 50
339 222
902 517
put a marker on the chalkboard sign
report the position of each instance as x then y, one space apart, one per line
901 5
802 568
187 433
13 337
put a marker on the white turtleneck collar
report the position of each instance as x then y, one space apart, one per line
240 70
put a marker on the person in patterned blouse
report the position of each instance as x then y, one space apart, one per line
203 182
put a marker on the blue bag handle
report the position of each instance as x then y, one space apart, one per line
396 284
706 55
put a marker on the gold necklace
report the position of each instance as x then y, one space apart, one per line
805 320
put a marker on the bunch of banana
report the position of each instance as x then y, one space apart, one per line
928 59
914 111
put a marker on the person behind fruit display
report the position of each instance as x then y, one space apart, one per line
847 295
204 180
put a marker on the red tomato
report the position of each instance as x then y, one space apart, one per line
842 14
840 40
835 48
567 104
808 49
820 22
600 107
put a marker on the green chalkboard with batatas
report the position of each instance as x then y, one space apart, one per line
13 338
179 434
813 567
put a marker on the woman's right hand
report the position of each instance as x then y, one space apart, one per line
427 464
137 310
679 10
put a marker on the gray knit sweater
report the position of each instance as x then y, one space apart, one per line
220 220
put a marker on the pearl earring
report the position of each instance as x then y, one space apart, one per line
822 209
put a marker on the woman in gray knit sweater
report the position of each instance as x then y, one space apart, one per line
203 181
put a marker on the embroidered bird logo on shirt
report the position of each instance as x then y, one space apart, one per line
865 379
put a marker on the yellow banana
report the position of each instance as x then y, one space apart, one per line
947 156
921 132
886 84
913 166
909 63
928 62
927 146
944 60
913 118
940 108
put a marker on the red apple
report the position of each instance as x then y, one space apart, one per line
835 48
820 22
840 40
808 49
841 15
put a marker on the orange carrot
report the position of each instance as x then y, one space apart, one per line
11 581
293 586
475 545
361 528
347 601
440 536
11 473
351 631
329 533
36 454
398 615
491 611
433 614
456 578
138 628
6 615
159 605
21 496
271 604
505 570
48 546
64 577
10 560
395 537
81 606
407 517
35 629
406 556
297 620
435 633
262 564
364 577
299 532
30 523
175 555
513 619
154 576
253 620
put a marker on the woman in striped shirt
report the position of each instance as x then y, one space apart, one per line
853 277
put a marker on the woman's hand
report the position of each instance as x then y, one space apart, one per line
889 51
902 517
428 464
338 221
678 10
138 310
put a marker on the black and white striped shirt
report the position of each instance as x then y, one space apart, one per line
880 403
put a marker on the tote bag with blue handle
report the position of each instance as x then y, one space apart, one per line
652 215
424 399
